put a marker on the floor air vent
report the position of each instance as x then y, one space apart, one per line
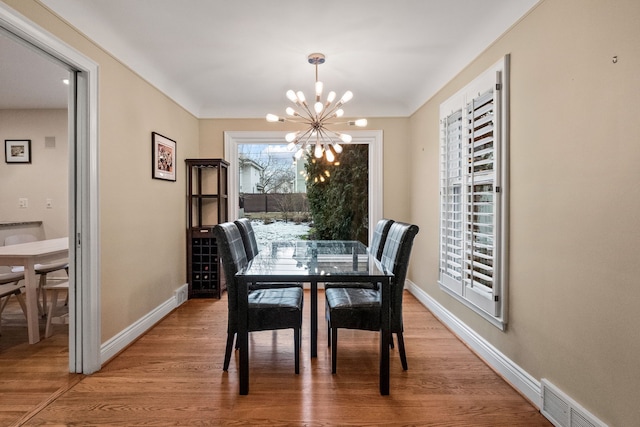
563 411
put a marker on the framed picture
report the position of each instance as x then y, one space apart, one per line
17 150
163 157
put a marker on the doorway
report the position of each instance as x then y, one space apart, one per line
84 312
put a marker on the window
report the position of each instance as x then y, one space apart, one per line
372 138
473 193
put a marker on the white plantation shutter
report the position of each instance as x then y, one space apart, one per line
472 202
451 199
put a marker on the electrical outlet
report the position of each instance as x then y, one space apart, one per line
23 203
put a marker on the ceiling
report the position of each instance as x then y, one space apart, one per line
28 79
236 59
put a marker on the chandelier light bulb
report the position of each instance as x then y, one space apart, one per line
318 151
345 137
290 111
360 123
290 137
318 107
331 97
301 97
337 148
273 118
340 112
298 154
292 96
318 90
329 155
346 97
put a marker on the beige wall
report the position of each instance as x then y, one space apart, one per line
142 220
575 198
395 144
46 177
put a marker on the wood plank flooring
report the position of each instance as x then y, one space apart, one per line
173 376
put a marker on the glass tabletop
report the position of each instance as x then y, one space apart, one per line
314 258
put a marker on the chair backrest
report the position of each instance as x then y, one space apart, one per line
234 259
379 237
19 238
395 257
248 237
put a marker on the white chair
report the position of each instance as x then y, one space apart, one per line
8 287
57 314
41 269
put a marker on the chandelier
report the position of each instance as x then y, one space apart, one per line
324 113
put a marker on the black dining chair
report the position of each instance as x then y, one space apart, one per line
267 309
360 308
251 248
375 248
248 237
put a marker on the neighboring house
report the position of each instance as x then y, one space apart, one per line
300 182
249 181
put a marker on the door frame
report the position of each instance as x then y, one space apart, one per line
373 138
84 243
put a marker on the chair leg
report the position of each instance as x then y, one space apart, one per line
3 304
52 311
66 300
23 305
328 334
227 353
296 344
42 309
403 355
334 349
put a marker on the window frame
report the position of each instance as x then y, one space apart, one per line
488 302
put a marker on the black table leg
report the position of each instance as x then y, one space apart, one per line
385 338
243 336
314 318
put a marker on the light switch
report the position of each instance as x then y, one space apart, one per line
49 204
23 203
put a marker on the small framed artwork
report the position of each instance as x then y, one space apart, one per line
17 150
163 157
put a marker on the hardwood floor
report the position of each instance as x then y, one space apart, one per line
173 376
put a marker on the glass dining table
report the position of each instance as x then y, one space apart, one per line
313 262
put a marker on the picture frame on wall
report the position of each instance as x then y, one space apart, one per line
163 157
17 150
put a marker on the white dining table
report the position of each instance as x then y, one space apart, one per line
28 255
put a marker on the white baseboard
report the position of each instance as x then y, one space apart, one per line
119 342
514 374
